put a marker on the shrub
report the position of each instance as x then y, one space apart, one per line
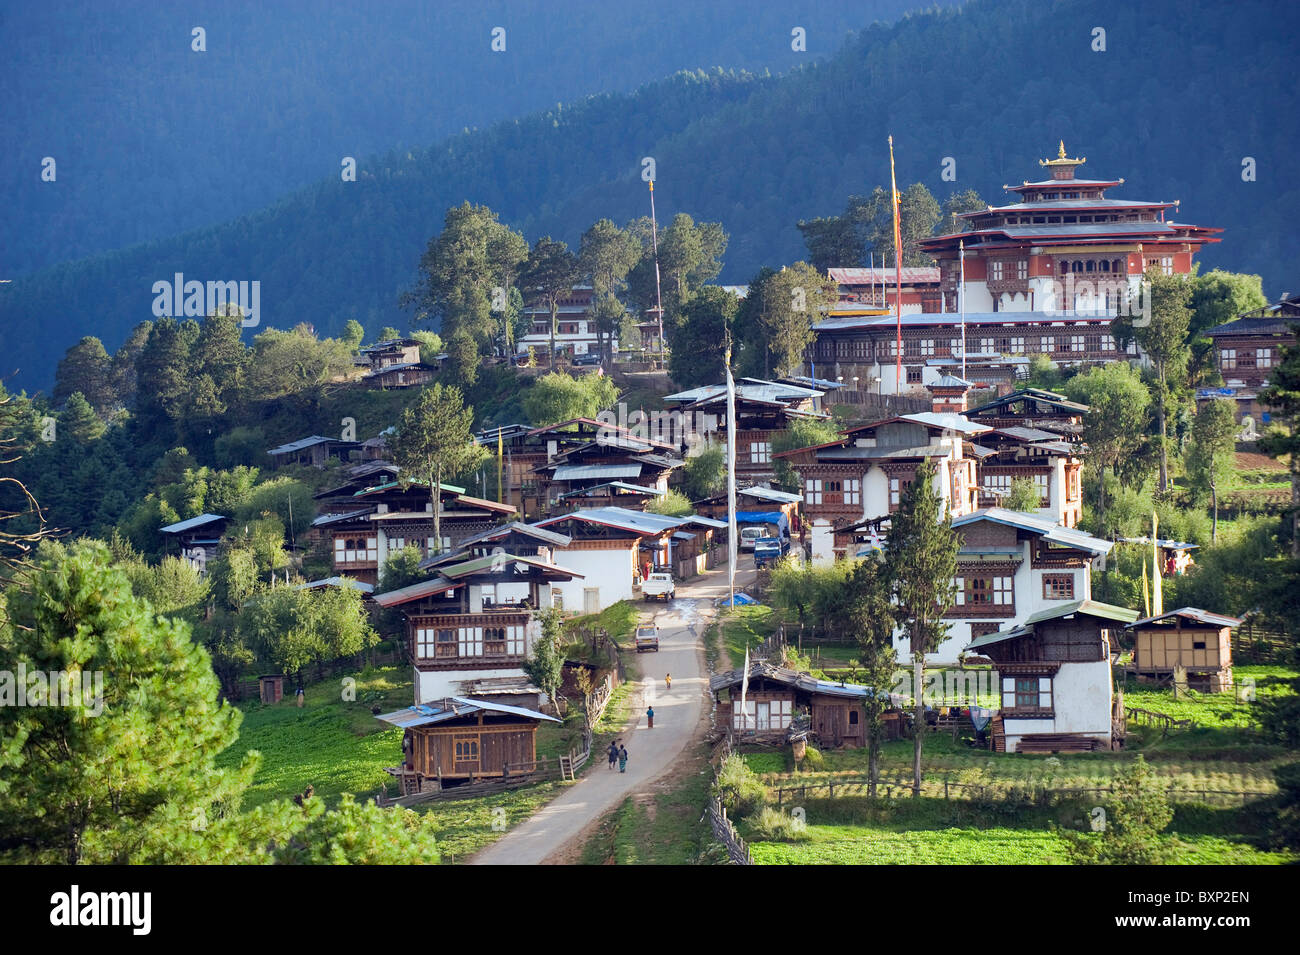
813 760
738 787
773 825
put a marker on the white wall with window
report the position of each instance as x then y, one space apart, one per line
356 550
761 715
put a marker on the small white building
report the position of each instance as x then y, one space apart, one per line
1054 673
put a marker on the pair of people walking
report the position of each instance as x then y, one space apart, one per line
618 754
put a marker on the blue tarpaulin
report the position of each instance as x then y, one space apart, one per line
741 600
775 518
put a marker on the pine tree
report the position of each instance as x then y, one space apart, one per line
868 615
132 757
921 561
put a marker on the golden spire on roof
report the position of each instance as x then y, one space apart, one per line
1061 159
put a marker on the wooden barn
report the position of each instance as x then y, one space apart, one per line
458 739
780 701
1197 640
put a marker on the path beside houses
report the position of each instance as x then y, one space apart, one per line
651 752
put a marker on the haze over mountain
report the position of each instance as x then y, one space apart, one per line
1179 98
152 138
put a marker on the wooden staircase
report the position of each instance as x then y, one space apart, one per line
999 735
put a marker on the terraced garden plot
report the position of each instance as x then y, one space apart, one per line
859 845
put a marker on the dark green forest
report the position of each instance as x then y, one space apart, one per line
1179 97
152 137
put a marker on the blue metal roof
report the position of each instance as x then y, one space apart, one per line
181 526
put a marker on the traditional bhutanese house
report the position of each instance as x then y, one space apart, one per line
456 740
615 548
610 458
524 449
1033 408
763 410
1055 676
474 618
1010 567
612 494
1247 350
863 474
1197 640
575 331
314 451
198 537
874 291
404 515
778 701
396 364
393 515
757 498
1175 556
341 497
1053 464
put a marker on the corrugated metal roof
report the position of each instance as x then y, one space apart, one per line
517 527
771 494
912 275
347 582
584 472
1048 529
303 443
181 526
618 485
641 522
426 714
948 421
754 389
1090 608
1191 613
424 588
1027 434
326 519
793 678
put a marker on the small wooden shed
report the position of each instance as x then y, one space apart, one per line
777 701
1198 640
461 739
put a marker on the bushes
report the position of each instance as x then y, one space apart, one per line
773 825
741 792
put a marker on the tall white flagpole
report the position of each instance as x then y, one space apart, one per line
961 305
731 474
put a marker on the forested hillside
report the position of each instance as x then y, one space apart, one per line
1180 96
152 137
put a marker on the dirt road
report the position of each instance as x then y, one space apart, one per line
651 752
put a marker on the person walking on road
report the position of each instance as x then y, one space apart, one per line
613 753
668 680
650 717
622 759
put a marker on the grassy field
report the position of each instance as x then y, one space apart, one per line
999 814
745 627
337 747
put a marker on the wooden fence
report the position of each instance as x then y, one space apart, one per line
1134 714
737 851
900 786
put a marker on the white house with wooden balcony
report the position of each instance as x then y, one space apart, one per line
1054 674
1012 566
472 624
862 476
